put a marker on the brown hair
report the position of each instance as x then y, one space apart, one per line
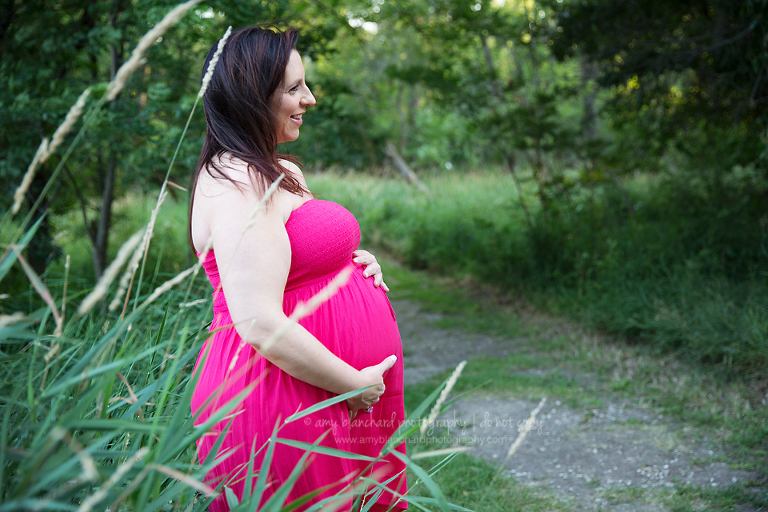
238 112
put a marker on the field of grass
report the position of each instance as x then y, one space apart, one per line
106 388
662 277
586 369
95 402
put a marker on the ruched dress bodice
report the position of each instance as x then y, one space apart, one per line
357 324
323 235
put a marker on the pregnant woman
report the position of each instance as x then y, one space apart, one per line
261 267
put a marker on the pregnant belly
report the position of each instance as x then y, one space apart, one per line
357 323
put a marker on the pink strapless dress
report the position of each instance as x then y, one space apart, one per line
357 324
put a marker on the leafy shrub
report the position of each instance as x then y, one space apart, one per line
677 265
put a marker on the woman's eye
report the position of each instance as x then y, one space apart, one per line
293 89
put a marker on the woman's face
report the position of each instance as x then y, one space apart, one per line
291 100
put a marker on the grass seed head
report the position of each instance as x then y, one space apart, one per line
442 398
137 56
40 156
214 60
110 273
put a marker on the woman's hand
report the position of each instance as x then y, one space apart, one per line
370 376
372 267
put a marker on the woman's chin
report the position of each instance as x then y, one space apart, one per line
289 138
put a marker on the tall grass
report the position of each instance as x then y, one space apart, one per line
99 417
660 278
95 406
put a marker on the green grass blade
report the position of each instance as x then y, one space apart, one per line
333 452
261 482
431 485
76 378
325 403
276 501
9 258
410 425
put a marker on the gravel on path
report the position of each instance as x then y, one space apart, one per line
576 454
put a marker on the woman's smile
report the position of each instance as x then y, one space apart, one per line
291 100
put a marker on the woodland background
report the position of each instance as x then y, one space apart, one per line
604 159
635 134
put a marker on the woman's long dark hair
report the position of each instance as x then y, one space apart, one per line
238 109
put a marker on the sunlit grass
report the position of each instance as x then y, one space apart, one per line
391 213
169 251
584 369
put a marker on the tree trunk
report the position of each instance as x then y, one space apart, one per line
104 223
413 107
510 157
406 171
41 247
401 115
105 216
588 123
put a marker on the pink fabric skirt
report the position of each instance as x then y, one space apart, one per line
358 325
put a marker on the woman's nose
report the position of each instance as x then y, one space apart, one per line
308 100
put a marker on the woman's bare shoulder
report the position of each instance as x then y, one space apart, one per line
295 170
224 175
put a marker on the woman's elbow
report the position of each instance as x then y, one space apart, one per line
261 335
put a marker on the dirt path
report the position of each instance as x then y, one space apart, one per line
585 457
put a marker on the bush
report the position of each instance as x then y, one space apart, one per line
674 264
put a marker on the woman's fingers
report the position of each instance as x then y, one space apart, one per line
362 257
386 364
372 267
375 376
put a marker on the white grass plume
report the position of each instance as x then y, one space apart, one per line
192 303
305 308
141 249
137 56
109 274
46 149
170 284
90 473
121 470
186 479
214 61
206 249
69 121
262 202
59 328
443 396
40 156
526 427
6 320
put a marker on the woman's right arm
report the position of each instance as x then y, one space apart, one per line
253 263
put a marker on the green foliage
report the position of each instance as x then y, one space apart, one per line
96 405
716 44
82 410
169 252
643 259
96 409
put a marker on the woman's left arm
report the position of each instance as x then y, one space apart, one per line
372 267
